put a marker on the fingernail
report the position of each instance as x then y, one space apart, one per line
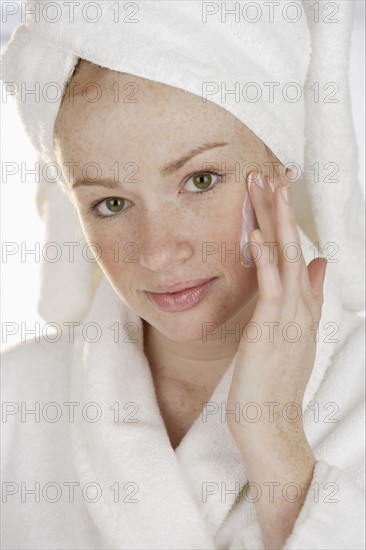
286 193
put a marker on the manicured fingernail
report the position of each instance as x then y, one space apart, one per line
271 184
286 193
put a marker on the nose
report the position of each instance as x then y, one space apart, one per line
164 244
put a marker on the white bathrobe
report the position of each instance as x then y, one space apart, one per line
117 483
96 469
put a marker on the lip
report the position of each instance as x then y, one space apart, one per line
177 287
183 299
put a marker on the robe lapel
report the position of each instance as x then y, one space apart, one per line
210 460
133 455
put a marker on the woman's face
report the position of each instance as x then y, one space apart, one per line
156 226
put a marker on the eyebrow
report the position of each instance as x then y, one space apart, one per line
166 170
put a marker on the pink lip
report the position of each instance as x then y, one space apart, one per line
183 285
183 299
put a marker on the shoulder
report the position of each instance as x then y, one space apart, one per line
35 384
335 418
35 367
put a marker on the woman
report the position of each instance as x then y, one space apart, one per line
205 418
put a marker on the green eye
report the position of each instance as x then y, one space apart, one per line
203 180
113 205
200 183
108 208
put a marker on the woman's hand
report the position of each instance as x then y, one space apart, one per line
274 363
277 349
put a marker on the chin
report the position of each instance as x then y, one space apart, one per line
191 325
182 336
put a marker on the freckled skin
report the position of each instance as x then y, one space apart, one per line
166 220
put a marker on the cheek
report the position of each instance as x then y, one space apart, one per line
113 253
227 222
119 258
224 227
225 230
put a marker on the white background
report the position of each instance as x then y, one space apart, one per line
20 221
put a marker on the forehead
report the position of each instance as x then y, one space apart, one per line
104 111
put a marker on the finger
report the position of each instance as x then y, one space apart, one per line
261 196
291 260
275 182
269 281
316 271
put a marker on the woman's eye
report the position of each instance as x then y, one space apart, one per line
202 181
108 208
